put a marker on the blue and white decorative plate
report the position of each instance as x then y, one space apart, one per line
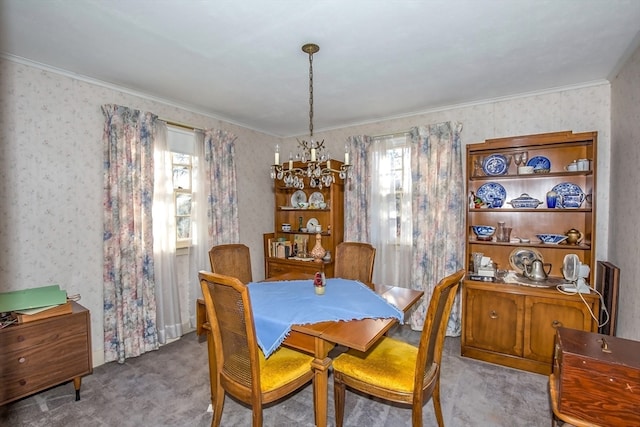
492 194
565 188
539 162
495 164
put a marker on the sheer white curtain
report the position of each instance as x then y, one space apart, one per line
391 225
202 241
168 319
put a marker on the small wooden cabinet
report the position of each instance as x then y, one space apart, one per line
41 354
515 325
331 219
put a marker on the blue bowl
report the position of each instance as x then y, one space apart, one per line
551 239
484 232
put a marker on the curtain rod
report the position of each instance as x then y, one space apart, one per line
180 125
392 135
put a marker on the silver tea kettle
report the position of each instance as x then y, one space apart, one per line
536 270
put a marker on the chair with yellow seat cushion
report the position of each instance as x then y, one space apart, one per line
400 372
242 370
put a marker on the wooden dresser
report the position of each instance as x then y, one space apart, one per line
41 354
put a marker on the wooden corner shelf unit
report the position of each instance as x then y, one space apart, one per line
514 325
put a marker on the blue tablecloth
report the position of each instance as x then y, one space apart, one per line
279 305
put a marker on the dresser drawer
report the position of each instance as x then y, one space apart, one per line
29 370
42 333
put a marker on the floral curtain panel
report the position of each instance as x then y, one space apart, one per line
438 213
356 192
129 289
215 213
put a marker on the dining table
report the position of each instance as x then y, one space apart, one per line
319 338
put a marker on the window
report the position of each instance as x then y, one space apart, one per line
181 144
182 185
398 166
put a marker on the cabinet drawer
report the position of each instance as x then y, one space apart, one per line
280 267
32 369
42 333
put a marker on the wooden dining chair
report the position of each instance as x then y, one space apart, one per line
242 370
397 371
354 261
231 260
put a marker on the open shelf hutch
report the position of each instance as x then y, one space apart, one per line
330 218
515 325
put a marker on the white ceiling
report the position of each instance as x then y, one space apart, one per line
241 60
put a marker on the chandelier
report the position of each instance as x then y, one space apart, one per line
315 158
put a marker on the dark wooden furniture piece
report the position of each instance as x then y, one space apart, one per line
331 218
515 325
607 283
232 260
44 353
241 369
319 338
595 379
354 261
413 375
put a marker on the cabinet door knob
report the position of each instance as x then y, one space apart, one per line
493 314
22 360
556 324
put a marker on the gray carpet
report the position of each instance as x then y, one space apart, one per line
170 387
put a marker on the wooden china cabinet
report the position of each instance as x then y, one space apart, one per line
510 324
287 211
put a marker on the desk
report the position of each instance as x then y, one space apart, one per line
319 338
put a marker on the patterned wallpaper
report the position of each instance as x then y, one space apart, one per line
625 181
51 168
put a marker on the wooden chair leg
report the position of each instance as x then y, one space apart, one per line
416 415
338 398
257 416
217 410
437 407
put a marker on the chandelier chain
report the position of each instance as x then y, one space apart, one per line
310 95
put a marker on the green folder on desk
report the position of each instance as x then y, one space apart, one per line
32 298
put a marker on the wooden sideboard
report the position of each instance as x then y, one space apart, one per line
41 354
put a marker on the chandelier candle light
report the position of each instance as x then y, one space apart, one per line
311 153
